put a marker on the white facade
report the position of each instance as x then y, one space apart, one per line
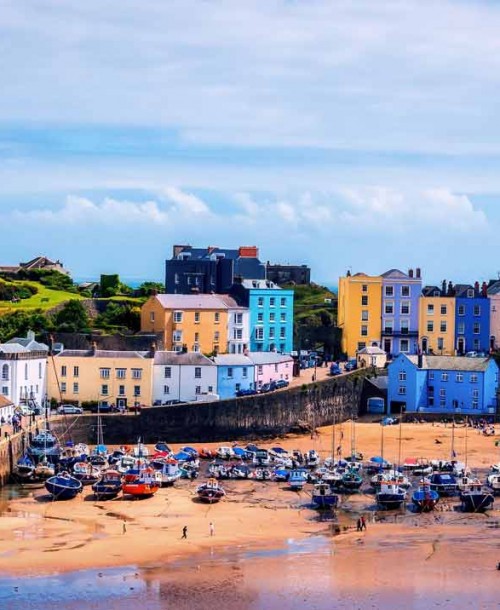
238 330
182 376
23 371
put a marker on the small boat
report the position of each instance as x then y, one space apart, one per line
468 483
225 453
125 463
25 468
312 459
297 479
44 469
495 468
493 482
189 471
263 474
63 486
390 495
240 471
162 447
86 473
108 486
143 487
44 444
476 500
167 470
280 474
351 480
261 458
210 491
423 468
376 464
323 496
424 498
444 483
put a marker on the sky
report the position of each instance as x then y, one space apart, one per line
343 135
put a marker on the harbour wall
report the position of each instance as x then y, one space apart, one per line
11 450
298 409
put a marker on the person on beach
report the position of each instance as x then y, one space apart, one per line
359 527
184 532
212 529
363 523
124 527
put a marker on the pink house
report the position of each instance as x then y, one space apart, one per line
494 296
271 366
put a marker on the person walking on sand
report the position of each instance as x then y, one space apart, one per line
124 527
184 532
212 529
363 523
359 527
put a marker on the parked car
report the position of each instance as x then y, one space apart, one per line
335 369
69 410
103 408
247 392
389 421
281 383
24 410
267 387
351 365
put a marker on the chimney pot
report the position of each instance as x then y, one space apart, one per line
418 270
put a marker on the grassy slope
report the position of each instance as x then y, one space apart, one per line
44 299
311 300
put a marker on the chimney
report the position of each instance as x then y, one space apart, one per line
152 350
410 272
484 289
418 272
476 286
178 249
451 289
30 335
248 252
420 360
443 288
348 274
93 349
51 345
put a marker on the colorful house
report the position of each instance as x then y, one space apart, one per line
494 297
359 312
235 372
443 384
179 376
121 378
472 319
400 299
271 314
270 366
437 321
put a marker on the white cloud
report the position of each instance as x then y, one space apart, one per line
185 203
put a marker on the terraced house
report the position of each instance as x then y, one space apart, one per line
437 320
472 318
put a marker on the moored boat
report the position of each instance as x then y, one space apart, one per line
210 491
167 470
44 470
63 486
145 486
86 473
476 500
444 483
25 468
108 486
351 480
323 496
493 482
424 498
297 479
390 495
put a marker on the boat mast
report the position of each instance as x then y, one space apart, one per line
353 437
333 433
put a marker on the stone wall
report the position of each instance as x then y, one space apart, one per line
10 451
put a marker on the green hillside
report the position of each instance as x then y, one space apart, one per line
43 298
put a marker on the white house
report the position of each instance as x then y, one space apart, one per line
238 327
371 356
182 376
23 368
271 366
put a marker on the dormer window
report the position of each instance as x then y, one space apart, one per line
470 293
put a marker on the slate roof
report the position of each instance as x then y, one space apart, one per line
187 358
494 288
269 357
451 363
196 301
397 275
30 344
372 350
100 353
232 360
13 348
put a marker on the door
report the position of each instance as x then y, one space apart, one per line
425 345
121 403
387 346
461 345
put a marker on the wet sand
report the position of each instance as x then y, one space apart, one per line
270 548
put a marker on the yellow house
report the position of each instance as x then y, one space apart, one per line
122 378
360 312
436 322
196 322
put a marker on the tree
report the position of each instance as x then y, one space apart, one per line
146 289
18 323
73 317
110 285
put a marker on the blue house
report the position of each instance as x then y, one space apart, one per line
234 372
443 384
400 311
271 314
472 319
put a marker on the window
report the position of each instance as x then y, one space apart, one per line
216 336
260 302
440 343
40 370
178 348
444 376
444 310
237 387
210 388
477 344
405 308
230 372
276 368
259 334
430 326
63 387
136 373
197 390
196 317
216 317
272 317
364 288
364 300
76 371
442 402
271 332
470 293
283 302
404 346
26 372
75 388
405 291
473 378
364 315
177 317
460 377
361 345
260 369
104 389
121 390
197 372
461 310
260 317
245 371
238 333
238 318
121 373
477 328
389 307
404 327
389 291
196 337
272 302
442 392
430 401
402 390
442 326
166 389
5 390
389 327
461 328
431 375
104 373
364 331
137 390
63 371
5 372
176 278
475 393
475 404
430 308
152 316
177 336
167 372
402 375
282 333
283 317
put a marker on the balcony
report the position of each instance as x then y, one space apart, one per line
391 332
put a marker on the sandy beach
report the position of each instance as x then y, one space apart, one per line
38 536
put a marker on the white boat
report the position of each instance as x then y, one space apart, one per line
468 483
225 453
493 482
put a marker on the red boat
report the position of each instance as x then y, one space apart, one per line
146 485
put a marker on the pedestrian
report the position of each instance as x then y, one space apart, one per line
212 529
359 527
124 527
185 532
363 523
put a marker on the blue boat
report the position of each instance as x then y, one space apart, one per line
63 486
476 500
425 498
297 479
108 486
323 496
444 483
352 480
391 495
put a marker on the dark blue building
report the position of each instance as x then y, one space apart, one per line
210 270
472 319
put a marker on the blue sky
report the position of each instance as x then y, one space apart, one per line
342 135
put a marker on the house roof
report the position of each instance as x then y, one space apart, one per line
196 301
100 353
451 363
5 402
372 350
396 274
30 344
13 348
233 360
494 288
260 284
185 358
269 357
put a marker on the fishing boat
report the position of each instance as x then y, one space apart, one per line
444 483
162 447
44 469
280 475
424 498
140 450
25 468
323 496
210 491
297 479
239 471
476 500
493 482
468 483
63 486
261 458
108 486
312 459
263 474
351 480
189 470
125 463
44 444
86 473
143 487
167 470
390 495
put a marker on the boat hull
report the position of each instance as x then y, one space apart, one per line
425 501
63 490
476 502
138 490
390 501
106 491
326 501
